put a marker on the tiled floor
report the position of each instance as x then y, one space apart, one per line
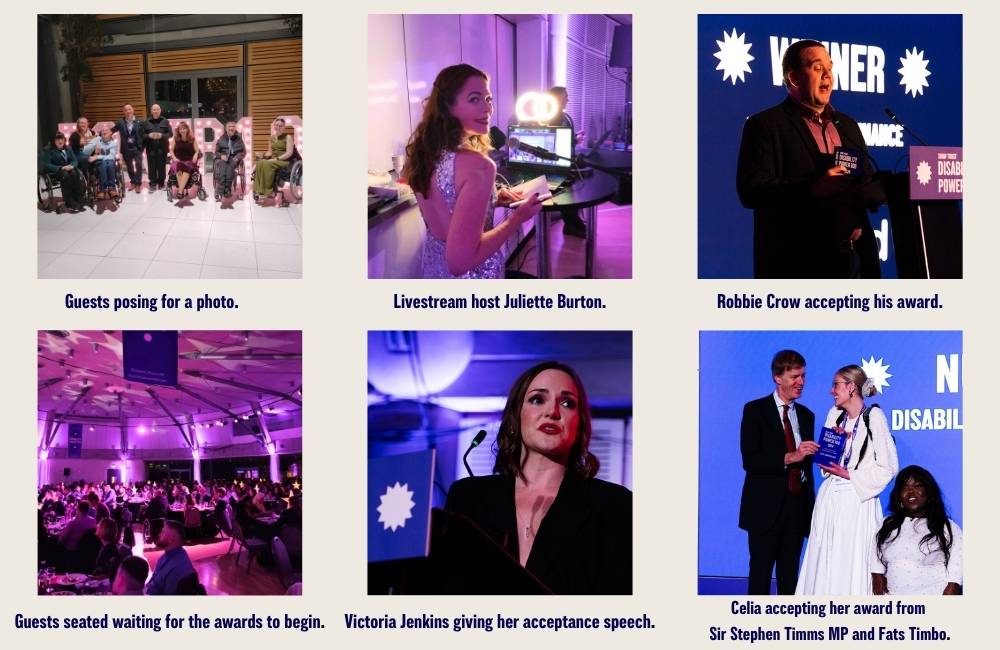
148 237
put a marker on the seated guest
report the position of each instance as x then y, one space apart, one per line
292 516
103 153
192 517
229 151
279 150
918 550
111 553
184 155
98 510
75 529
173 565
51 503
131 577
157 507
78 139
60 162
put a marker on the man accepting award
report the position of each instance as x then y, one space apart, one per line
802 170
776 441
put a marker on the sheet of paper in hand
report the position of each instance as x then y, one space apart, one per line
537 184
831 447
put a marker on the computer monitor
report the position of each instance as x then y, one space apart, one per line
557 139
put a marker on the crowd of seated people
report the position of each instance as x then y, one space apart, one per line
173 159
87 527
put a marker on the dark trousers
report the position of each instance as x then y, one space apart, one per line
225 171
133 164
72 187
156 164
779 548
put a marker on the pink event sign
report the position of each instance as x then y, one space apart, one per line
935 173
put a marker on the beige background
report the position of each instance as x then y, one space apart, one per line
334 304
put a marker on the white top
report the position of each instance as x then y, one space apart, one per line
880 463
914 568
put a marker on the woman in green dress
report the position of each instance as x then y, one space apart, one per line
279 150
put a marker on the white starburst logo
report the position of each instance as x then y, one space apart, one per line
914 72
396 506
924 172
877 372
734 56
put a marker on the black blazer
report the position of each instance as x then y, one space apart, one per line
797 235
762 444
584 544
139 135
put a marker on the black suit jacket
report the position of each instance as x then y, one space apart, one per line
138 135
762 444
796 234
584 544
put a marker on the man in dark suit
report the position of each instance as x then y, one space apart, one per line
776 441
133 138
809 213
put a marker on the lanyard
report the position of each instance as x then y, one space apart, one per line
850 443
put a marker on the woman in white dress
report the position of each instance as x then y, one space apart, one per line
848 513
918 549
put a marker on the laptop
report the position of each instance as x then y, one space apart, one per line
523 166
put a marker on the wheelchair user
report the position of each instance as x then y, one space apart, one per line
78 139
60 162
185 155
229 152
102 154
279 150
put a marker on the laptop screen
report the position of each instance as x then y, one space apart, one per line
557 139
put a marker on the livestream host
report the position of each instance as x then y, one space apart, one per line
453 179
809 213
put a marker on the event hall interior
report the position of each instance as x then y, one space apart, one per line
234 210
169 462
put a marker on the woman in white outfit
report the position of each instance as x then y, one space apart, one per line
848 514
918 551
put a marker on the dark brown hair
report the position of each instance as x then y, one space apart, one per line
792 60
786 360
438 130
508 444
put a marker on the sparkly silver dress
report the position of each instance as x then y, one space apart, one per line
434 263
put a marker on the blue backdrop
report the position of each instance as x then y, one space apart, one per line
867 52
923 375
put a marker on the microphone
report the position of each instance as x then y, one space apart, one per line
544 154
497 138
475 443
892 116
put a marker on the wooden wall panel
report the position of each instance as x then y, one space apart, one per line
275 81
274 84
115 64
118 80
284 51
199 58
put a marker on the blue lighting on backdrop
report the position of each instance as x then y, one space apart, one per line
880 61
922 397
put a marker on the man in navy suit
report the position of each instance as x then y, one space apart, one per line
133 139
809 214
776 441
